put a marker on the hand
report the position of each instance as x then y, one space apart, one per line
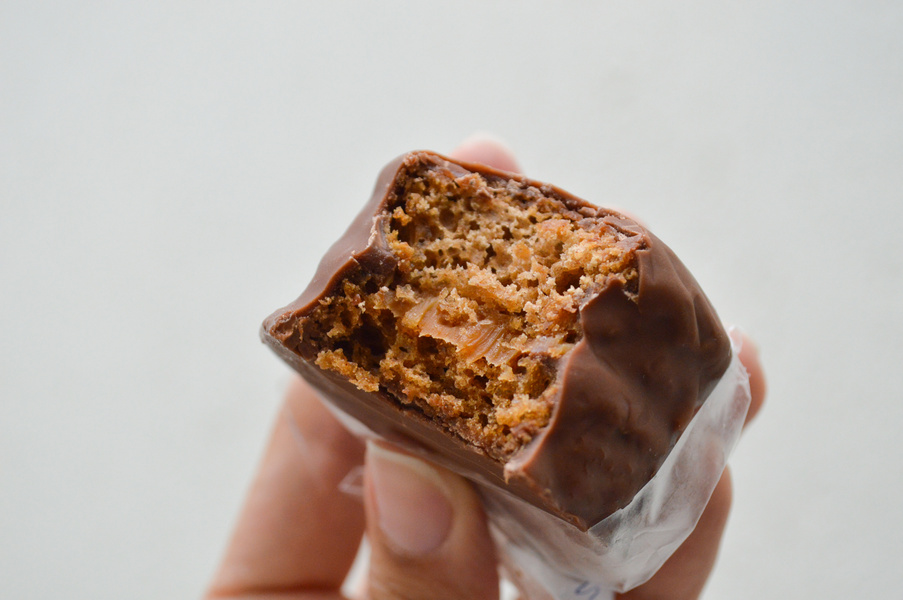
298 533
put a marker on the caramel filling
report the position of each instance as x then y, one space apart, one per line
484 301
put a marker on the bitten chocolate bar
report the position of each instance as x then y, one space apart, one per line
517 334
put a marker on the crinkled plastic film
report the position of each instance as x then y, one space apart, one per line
550 559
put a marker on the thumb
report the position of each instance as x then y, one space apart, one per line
427 532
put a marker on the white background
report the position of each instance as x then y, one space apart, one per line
170 173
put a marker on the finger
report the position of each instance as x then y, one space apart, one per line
488 150
684 575
427 530
297 530
749 356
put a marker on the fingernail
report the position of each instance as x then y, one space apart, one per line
485 137
412 502
742 340
737 335
486 148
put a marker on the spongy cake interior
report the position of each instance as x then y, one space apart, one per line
483 303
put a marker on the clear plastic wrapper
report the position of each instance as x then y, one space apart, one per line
550 559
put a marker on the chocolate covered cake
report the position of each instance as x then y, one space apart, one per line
516 333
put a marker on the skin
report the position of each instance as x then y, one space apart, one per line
298 533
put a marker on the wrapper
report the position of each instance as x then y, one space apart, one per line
548 558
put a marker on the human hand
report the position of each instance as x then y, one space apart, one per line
298 533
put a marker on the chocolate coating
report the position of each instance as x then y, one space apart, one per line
625 392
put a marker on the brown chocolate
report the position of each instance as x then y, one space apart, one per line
650 351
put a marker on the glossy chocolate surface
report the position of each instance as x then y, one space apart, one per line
625 392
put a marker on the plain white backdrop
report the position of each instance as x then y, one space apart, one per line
171 172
